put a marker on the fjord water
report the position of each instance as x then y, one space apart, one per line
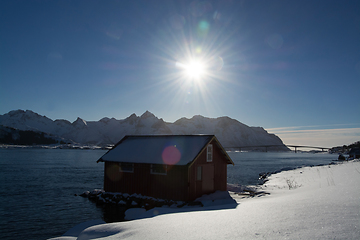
38 186
248 165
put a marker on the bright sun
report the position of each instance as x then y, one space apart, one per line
195 69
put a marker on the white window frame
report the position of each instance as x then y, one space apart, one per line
129 171
158 173
209 153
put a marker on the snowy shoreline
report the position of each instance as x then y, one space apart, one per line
56 146
319 202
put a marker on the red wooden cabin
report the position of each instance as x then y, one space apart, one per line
175 167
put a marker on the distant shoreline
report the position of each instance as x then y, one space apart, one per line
58 146
108 147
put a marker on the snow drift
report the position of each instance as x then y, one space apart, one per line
307 203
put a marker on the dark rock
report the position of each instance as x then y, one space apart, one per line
85 194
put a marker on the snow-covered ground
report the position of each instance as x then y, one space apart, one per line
307 203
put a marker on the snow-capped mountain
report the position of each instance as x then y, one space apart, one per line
230 132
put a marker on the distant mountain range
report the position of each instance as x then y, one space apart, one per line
230 132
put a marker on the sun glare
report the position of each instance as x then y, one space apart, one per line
195 69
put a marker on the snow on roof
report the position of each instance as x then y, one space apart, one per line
158 149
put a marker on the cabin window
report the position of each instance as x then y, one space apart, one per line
159 169
126 167
199 173
209 151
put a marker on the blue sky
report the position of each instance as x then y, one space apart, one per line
292 67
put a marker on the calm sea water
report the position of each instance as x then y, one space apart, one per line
38 186
248 165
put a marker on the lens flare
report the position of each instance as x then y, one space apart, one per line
171 155
155 212
113 173
216 63
203 28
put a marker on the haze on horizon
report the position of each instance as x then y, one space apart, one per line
291 67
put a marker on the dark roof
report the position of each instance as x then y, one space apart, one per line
160 149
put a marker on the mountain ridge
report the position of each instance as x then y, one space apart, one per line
230 132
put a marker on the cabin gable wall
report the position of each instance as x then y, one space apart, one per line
213 174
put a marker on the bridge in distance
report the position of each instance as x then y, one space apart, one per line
272 146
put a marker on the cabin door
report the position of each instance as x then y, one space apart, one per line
208 178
